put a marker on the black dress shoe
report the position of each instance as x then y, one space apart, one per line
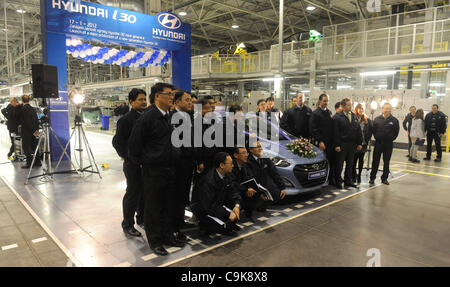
437 160
351 184
132 232
187 225
160 250
229 232
410 159
173 242
426 158
180 237
385 182
234 227
372 181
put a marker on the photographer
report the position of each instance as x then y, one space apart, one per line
29 124
12 115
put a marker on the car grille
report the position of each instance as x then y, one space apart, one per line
301 173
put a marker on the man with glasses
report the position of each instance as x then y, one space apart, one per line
150 145
251 199
216 201
133 199
265 173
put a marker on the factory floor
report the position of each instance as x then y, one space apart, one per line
73 220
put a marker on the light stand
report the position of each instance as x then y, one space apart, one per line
46 160
80 139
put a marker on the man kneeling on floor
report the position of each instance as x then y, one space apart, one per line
251 198
216 200
264 172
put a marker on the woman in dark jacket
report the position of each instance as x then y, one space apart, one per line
366 129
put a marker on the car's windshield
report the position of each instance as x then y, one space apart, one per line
256 121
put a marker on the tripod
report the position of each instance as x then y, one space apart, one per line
80 138
46 159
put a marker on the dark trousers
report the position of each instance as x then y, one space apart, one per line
346 155
183 177
253 203
358 162
158 196
29 144
385 149
210 225
331 157
409 143
133 199
12 149
437 140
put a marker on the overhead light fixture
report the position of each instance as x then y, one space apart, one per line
394 102
234 26
273 79
20 11
342 87
378 73
374 105
182 13
22 84
241 45
310 8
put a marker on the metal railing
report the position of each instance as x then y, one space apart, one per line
419 37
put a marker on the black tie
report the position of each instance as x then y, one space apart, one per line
166 117
260 162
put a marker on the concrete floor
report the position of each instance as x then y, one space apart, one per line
407 221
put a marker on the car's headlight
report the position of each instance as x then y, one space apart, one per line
277 161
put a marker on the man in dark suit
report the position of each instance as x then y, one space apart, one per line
184 168
133 200
12 115
435 127
29 123
347 140
216 201
296 120
251 199
266 174
150 145
385 130
206 153
321 127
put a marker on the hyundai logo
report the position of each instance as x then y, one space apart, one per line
169 21
316 166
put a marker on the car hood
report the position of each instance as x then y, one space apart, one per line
279 149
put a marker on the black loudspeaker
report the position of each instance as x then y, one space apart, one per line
45 81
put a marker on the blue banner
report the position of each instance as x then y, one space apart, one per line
112 25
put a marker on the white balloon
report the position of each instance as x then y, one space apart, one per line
76 54
88 52
95 50
111 53
68 42
83 54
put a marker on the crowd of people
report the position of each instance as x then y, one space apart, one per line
217 182
224 180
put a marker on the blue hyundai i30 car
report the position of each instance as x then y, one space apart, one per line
300 175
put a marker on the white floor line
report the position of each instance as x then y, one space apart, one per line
149 257
44 226
287 210
276 214
262 218
309 202
319 199
123 264
12 246
39 240
247 223
299 206
173 249
272 225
